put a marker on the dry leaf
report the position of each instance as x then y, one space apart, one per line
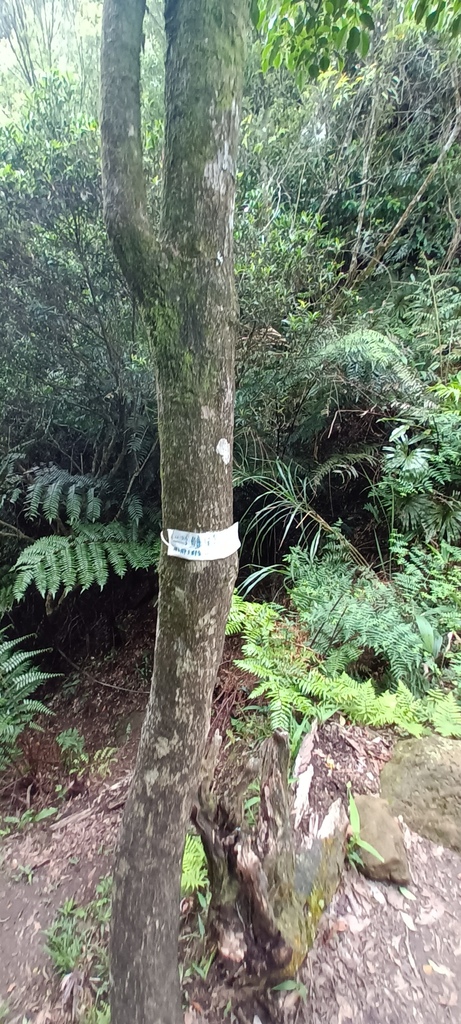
377 894
395 899
357 925
43 1017
345 1011
451 1000
427 917
440 969
400 984
408 920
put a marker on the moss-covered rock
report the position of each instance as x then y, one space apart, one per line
422 782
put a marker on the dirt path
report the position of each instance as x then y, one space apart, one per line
39 870
383 959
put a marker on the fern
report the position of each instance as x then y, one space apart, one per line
450 393
360 702
54 493
421 480
443 711
256 620
295 681
82 559
194 873
19 678
356 612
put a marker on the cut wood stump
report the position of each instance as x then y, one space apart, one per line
269 885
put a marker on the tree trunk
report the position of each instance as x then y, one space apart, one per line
186 287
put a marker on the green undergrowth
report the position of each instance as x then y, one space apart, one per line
78 939
380 652
77 943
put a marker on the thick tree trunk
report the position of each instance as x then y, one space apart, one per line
186 286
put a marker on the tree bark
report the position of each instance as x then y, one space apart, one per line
184 280
269 886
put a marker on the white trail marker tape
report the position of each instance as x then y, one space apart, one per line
202 547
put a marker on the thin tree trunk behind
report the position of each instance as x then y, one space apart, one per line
186 285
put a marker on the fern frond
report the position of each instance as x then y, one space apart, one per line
81 559
55 493
194 873
19 678
443 711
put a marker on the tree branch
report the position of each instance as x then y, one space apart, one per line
370 138
386 243
124 192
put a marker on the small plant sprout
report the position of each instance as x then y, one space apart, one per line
292 985
355 841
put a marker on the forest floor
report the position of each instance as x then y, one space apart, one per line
381 956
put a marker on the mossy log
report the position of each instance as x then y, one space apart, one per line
269 885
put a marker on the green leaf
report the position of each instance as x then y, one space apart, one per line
255 13
369 848
324 62
431 640
354 816
432 19
286 986
420 11
353 39
339 35
364 44
47 812
314 71
367 20
406 892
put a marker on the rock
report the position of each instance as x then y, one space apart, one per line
382 832
422 782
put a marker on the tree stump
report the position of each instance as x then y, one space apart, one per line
270 885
